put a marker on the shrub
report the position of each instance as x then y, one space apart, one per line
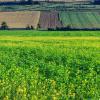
32 28
28 27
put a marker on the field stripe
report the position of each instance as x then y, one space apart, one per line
47 38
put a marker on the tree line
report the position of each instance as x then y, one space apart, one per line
4 26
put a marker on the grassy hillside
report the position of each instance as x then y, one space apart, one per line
79 19
42 65
51 6
88 19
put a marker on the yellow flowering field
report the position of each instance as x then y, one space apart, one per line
49 67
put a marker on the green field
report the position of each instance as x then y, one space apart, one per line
80 19
44 65
52 6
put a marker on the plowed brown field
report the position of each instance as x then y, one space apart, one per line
49 20
20 19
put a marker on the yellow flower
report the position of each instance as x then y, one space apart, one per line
57 94
20 89
53 82
54 98
6 98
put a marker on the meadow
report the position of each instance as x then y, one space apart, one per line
80 19
49 65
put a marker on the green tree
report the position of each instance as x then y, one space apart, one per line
32 28
4 26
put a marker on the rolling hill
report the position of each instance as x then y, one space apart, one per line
20 19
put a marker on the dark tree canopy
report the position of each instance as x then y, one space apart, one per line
4 26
